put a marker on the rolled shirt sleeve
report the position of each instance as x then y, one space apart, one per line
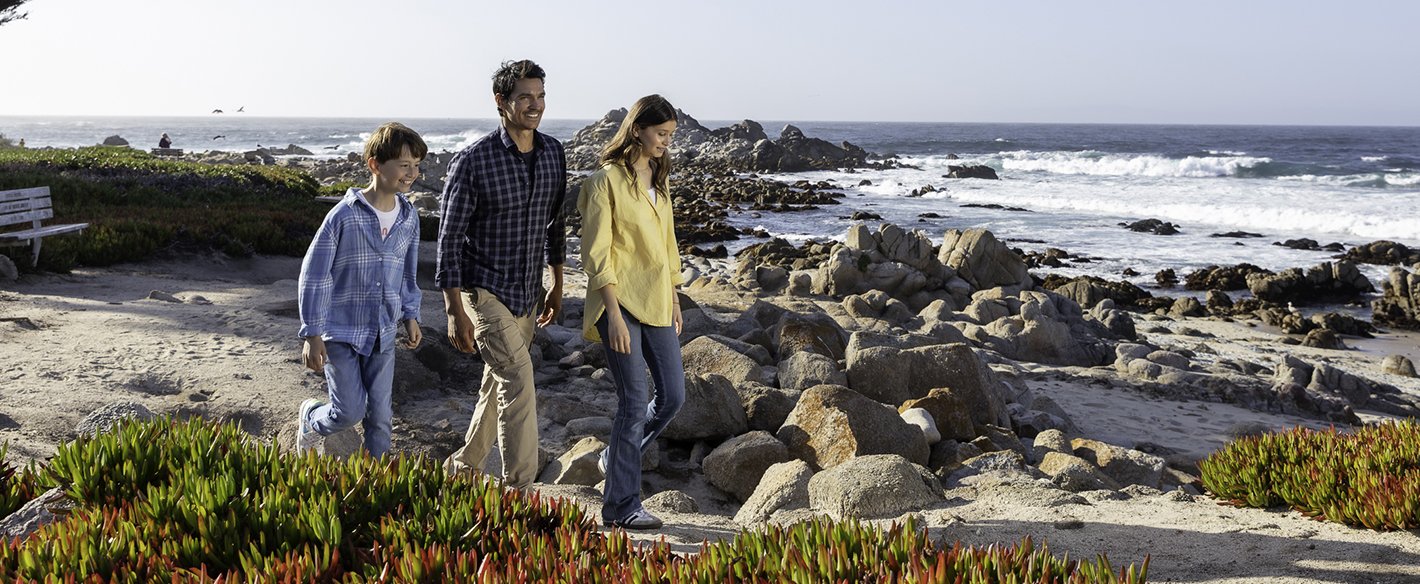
595 206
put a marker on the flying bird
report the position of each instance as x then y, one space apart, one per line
219 137
335 147
216 111
241 109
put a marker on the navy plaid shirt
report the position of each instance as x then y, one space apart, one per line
499 219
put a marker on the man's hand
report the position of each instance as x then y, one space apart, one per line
551 307
313 353
461 332
413 334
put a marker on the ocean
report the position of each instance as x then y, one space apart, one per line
1076 182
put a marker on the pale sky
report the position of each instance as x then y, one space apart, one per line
1127 61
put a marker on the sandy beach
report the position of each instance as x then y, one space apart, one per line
214 336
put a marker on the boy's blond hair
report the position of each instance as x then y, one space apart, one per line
389 141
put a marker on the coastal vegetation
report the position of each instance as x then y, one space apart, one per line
191 501
137 204
1368 478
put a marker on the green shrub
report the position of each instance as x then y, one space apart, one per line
137 204
17 486
191 502
1369 478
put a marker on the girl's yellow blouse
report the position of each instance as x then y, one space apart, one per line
629 241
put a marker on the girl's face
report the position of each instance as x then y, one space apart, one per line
656 140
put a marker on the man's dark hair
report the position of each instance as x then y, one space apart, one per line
510 72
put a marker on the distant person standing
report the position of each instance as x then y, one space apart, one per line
357 286
633 268
501 219
165 142
22 142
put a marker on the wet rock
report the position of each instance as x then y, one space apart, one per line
1155 226
972 171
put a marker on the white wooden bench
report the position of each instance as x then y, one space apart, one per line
30 206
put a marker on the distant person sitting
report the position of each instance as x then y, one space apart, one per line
165 141
22 142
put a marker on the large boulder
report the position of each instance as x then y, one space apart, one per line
879 486
736 465
1123 465
1042 340
814 332
949 411
1332 393
1075 474
712 410
767 407
1399 305
803 370
710 356
577 466
783 487
832 424
894 376
983 261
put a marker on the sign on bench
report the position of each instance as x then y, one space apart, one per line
30 206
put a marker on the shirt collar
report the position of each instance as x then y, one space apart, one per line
511 146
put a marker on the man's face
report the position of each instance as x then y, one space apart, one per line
522 110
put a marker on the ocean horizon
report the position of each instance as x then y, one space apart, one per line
1070 185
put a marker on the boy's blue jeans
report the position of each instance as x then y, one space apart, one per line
640 417
360 391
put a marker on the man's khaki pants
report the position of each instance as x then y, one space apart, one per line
507 403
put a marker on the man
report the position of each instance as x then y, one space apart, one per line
501 215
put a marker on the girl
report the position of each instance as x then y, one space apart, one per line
633 267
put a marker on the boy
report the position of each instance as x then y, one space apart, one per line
357 284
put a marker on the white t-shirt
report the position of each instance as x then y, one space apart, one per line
387 218
653 195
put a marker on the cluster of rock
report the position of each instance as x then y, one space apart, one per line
740 147
973 288
1399 305
1308 244
798 416
1384 253
1339 281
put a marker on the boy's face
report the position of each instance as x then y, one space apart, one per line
396 175
523 108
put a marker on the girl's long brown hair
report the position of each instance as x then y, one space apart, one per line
624 148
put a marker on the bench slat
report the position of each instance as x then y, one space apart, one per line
25 205
21 194
41 232
27 216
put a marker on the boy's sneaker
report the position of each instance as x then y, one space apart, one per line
638 519
305 434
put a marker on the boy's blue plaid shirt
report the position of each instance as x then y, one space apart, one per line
354 285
